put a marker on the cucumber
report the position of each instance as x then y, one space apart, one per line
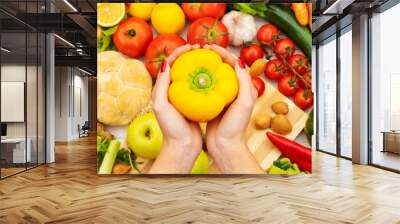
281 16
286 166
285 160
309 128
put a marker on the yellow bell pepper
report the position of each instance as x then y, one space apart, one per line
202 85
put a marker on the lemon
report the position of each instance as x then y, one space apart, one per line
99 33
110 14
141 10
168 18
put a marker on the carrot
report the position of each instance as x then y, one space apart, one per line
309 6
301 13
120 168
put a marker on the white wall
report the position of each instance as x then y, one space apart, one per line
34 125
61 103
71 93
16 73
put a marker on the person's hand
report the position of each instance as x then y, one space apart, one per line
225 135
182 138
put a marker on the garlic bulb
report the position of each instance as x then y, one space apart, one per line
241 27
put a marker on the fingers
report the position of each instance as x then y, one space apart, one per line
211 129
223 52
247 92
180 50
160 89
196 135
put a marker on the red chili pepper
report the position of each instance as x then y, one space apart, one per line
294 151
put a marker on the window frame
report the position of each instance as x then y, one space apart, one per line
381 9
336 38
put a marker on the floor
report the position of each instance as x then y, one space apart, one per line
388 159
69 191
13 170
10 171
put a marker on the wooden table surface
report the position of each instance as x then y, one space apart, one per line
70 191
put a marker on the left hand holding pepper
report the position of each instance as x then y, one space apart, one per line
182 138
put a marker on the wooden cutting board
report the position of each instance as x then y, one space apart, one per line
263 150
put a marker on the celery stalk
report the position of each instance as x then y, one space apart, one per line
109 157
98 143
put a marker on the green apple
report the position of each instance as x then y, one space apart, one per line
201 164
144 136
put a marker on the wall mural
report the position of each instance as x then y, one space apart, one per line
204 88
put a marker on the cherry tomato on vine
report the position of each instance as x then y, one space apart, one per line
287 85
304 98
299 63
285 47
251 53
275 69
307 79
267 33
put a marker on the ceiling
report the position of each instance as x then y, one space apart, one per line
332 15
23 21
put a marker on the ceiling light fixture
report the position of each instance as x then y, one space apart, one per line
84 71
64 40
70 5
337 7
5 50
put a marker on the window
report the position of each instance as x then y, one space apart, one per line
327 96
22 77
346 74
385 89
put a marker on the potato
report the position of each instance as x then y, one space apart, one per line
280 107
262 121
257 67
281 125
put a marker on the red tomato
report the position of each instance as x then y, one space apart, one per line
251 53
208 30
275 69
259 84
132 37
195 11
304 98
267 33
285 47
159 49
287 85
307 79
299 63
